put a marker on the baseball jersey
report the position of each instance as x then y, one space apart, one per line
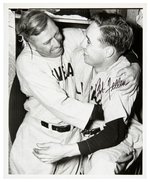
104 91
49 84
104 87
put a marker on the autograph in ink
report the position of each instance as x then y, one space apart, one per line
114 85
98 88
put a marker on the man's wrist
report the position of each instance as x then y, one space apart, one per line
71 150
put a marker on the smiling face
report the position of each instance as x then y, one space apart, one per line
49 42
95 51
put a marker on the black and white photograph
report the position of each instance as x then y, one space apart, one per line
75 90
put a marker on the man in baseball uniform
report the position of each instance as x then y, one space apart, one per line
108 37
46 76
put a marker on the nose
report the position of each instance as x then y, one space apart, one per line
56 42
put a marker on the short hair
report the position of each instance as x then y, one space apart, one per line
32 22
115 31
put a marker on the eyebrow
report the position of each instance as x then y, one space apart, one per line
48 41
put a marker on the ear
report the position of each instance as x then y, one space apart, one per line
109 51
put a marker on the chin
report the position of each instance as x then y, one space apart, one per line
60 52
56 54
87 61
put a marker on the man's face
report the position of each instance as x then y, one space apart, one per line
49 42
94 52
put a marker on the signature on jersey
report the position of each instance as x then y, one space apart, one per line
114 85
98 88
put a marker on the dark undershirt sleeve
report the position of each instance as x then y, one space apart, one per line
97 114
113 133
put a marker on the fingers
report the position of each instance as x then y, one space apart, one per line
130 87
121 72
129 80
125 158
44 145
129 90
48 144
40 155
122 161
43 158
41 151
132 90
